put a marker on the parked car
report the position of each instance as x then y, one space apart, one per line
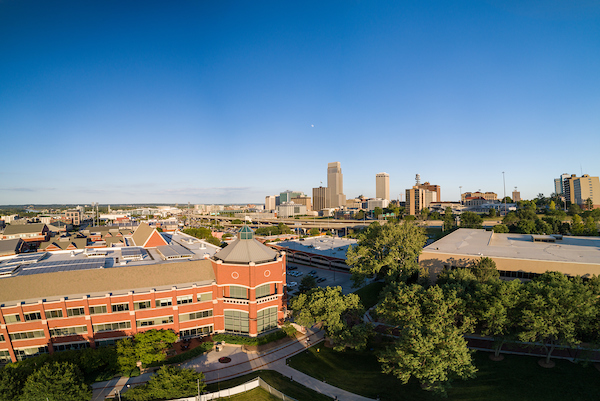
292 267
321 279
292 284
313 272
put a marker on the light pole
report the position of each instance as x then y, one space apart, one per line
460 189
504 183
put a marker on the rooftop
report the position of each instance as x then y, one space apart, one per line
475 242
325 245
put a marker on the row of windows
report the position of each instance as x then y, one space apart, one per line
111 326
196 315
70 347
261 291
518 274
237 322
1 337
196 332
68 331
266 319
27 334
121 307
154 322
4 356
29 352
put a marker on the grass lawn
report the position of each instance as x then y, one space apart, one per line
517 378
369 294
257 394
276 380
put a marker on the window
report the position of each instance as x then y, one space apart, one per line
1 337
186 299
195 315
196 332
238 292
141 305
69 347
4 356
111 326
160 303
154 322
95 310
54 314
207 296
76 312
12 318
68 331
120 307
263 291
27 334
266 319
24 353
236 321
32 316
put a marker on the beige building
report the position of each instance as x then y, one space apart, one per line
520 256
270 202
516 196
303 200
382 186
579 189
421 196
488 196
335 186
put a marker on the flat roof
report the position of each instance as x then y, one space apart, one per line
325 245
476 242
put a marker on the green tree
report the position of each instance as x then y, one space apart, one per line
389 251
554 310
126 355
150 345
314 231
449 221
359 215
577 227
492 212
377 212
526 227
574 209
56 381
12 380
590 226
283 229
424 213
552 205
307 283
589 204
339 314
430 346
500 228
470 220
485 270
169 383
496 310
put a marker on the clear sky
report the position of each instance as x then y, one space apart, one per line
227 102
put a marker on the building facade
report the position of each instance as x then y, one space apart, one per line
270 202
102 299
577 190
335 186
487 196
382 186
318 195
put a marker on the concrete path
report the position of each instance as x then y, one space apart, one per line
241 363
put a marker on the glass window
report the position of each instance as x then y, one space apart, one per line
195 315
237 321
238 292
4 356
68 331
54 314
1 337
95 310
29 352
196 332
266 319
111 326
141 305
120 307
185 299
164 302
27 334
76 312
206 296
263 291
12 318
154 322
32 316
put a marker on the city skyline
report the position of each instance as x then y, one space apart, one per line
225 102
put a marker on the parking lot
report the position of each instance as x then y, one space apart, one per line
332 278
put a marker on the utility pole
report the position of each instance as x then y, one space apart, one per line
504 183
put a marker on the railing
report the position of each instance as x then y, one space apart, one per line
236 301
267 299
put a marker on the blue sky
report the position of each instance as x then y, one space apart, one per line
226 102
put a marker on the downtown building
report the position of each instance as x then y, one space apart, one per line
50 302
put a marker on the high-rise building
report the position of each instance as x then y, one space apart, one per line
487 196
335 186
421 196
516 196
579 189
319 198
382 186
302 200
559 184
270 202
287 196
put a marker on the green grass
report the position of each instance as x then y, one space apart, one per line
369 294
257 394
276 380
232 339
517 378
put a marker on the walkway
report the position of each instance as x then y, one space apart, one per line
241 363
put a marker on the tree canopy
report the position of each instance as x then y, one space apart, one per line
171 382
56 381
387 251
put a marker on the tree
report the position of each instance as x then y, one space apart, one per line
307 283
589 204
359 215
492 212
470 220
284 229
339 314
12 380
590 226
377 212
126 355
526 227
577 227
500 228
313 232
449 221
555 308
496 310
485 270
388 251
552 205
424 213
574 209
56 381
150 345
170 382
430 346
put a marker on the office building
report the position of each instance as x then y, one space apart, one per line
420 196
270 202
52 302
577 190
318 196
380 203
516 196
487 196
559 184
290 209
287 196
382 186
303 200
335 186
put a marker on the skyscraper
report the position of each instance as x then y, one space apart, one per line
318 195
382 186
335 186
